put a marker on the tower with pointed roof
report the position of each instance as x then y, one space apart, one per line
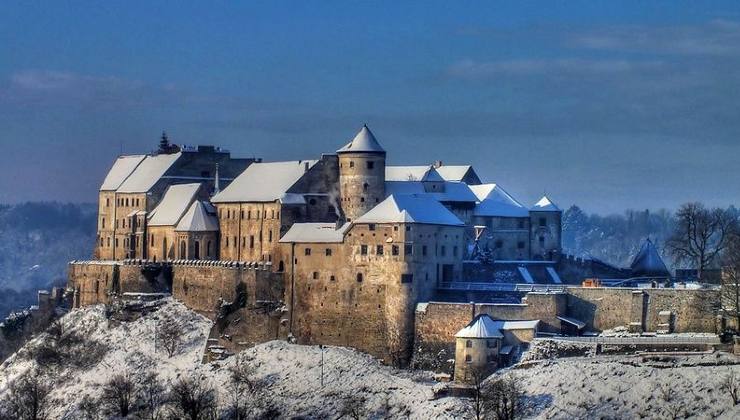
361 174
545 230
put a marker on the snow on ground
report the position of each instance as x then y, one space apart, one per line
290 374
628 386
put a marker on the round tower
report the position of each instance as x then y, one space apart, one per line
361 174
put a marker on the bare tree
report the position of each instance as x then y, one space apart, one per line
193 398
353 406
700 235
89 408
28 398
503 398
731 384
241 386
730 292
151 395
119 393
170 336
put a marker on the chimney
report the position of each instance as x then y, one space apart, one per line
305 166
437 163
217 182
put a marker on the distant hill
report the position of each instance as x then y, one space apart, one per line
37 240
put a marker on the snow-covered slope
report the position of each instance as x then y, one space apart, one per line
290 374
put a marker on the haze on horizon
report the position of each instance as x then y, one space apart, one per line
606 105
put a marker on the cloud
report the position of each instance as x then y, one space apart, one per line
56 88
574 66
713 38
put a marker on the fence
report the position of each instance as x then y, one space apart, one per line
666 340
501 287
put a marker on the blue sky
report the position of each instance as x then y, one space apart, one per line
610 105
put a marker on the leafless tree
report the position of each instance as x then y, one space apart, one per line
118 394
242 386
673 408
169 336
193 398
89 408
700 235
499 398
730 292
28 398
731 385
151 395
353 407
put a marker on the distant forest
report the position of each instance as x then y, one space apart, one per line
38 239
36 242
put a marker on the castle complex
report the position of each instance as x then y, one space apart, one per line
341 250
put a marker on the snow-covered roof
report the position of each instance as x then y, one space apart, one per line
572 321
545 205
412 173
416 208
453 172
648 263
494 201
452 191
483 326
315 233
264 181
121 169
148 172
200 217
173 205
364 141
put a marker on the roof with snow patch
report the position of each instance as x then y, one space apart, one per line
315 233
415 208
412 173
173 205
264 182
148 172
200 217
454 172
121 169
494 201
364 141
648 263
545 205
483 326
452 191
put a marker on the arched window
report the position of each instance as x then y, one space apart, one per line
364 187
468 358
359 277
183 247
281 266
469 343
164 248
208 249
196 250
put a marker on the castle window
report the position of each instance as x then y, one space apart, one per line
241 214
424 250
244 241
151 240
281 268
101 242
395 228
264 214
235 242
272 213
227 240
208 249
362 199
315 275
312 201
468 344
491 344
328 252
408 228
543 222
102 222
520 245
542 241
127 202
107 202
359 277
521 223
394 249
499 244
269 236
220 213
370 164
116 242
371 226
364 187
332 278
307 251
454 251
249 214
351 164
379 250
442 250
109 242
408 249
137 202
363 249
407 278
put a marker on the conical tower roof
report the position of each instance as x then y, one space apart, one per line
647 262
364 141
545 204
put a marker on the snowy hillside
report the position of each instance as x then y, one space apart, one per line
289 375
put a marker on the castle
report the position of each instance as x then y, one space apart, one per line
341 250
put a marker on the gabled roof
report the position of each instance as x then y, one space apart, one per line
121 169
417 208
315 233
173 205
545 205
200 217
454 172
264 182
483 326
148 172
364 141
494 201
647 262
453 191
412 173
